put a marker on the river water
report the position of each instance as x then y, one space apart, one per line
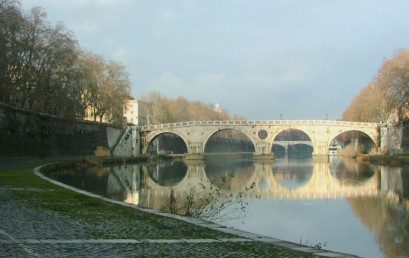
341 205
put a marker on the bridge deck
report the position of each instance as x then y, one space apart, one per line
259 122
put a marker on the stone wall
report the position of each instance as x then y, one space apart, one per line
24 134
405 136
395 138
123 146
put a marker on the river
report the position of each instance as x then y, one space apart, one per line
340 204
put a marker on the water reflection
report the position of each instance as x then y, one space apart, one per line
229 174
292 173
167 173
343 202
387 215
349 172
285 178
124 183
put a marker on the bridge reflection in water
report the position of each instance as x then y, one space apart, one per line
150 185
375 195
336 201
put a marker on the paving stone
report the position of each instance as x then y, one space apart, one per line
29 231
269 240
195 241
334 255
235 239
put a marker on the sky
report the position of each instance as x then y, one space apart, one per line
261 59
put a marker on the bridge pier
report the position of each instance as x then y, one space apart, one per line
190 156
320 157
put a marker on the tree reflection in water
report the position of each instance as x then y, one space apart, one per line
351 172
387 215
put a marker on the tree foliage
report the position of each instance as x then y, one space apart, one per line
386 97
43 68
105 86
160 109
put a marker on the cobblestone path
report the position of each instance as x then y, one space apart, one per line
33 224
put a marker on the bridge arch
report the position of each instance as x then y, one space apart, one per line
214 132
288 138
340 133
261 133
295 128
154 136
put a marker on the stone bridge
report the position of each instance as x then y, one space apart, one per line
261 133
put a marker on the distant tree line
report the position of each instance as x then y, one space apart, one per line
386 97
160 109
42 68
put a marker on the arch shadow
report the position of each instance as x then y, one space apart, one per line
167 143
229 140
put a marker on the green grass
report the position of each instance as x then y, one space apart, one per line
104 220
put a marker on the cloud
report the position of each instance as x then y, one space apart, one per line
168 84
75 3
167 15
90 27
257 58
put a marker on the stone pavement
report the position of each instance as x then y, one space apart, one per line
27 229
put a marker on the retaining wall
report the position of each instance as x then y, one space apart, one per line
25 133
395 138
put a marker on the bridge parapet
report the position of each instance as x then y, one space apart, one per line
257 122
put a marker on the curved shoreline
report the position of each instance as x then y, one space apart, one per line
240 235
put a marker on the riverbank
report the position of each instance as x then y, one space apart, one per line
390 160
40 219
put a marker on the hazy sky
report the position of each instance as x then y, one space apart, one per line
257 58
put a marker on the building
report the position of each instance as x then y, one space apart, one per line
134 112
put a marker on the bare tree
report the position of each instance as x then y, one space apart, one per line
156 109
115 90
369 105
164 110
393 77
105 86
44 69
12 23
386 97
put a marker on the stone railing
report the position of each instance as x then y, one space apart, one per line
257 122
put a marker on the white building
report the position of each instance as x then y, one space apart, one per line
134 112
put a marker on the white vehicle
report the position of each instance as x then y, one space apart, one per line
333 150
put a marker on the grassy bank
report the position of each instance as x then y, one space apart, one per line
75 216
40 194
387 160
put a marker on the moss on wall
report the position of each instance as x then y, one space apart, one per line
25 133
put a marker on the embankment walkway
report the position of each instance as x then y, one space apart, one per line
40 219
